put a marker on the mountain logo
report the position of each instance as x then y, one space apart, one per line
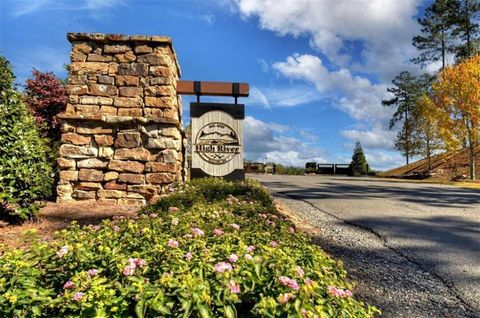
217 143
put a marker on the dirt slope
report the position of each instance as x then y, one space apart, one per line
450 166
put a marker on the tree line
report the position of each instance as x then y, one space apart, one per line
441 111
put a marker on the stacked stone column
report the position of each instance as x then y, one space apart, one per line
121 132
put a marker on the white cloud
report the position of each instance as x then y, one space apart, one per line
208 18
357 96
381 160
27 7
264 65
377 137
284 96
383 28
265 140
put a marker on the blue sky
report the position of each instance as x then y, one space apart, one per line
317 69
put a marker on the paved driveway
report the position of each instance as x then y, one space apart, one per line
435 226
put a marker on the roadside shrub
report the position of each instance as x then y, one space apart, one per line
219 255
46 97
25 163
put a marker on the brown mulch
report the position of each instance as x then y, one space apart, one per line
57 216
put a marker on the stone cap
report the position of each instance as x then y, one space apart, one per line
118 119
102 37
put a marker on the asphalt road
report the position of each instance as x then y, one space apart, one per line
435 226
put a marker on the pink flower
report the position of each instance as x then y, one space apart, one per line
233 258
285 298
153 215
137 262
250 248
197 232
248 257
262 215
291 229
288 282
78 296
222 267
234 287
299 271
308 282
188 256
92 272
63 251
173 243
218 232
129 270
338 292
116 228
173 209
235 226
273 216
273 244
69 285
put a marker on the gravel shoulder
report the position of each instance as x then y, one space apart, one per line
384 277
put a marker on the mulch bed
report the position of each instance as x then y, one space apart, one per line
57 216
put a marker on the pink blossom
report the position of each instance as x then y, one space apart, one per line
153 215
273 244
234 287
250 248
248 257
218 232
338 292
308 282
222 267
173 209
291 229
273 216
299 271
173 243
63 251
288 282
78 296
116 228
92 272
197 232
188 256
175 221
285 298
235 226
69 285
137 262
272 224
233 258
262 215
304 312
129 270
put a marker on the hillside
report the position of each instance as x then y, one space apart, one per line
450 166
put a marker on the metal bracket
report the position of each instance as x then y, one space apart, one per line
235 91
197 88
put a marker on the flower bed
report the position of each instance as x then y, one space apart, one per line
211 249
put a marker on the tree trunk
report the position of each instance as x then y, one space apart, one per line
443 48
472 163
429 156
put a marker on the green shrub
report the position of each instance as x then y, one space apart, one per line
25 158
213 255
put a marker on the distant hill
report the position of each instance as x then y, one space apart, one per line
449 166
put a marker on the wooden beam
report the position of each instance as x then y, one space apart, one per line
212 88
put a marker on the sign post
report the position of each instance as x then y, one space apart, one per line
217 130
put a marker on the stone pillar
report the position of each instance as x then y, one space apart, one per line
121 132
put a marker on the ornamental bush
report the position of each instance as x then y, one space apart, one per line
212 249
25 158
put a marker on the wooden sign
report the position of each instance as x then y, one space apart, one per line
217 140
201 88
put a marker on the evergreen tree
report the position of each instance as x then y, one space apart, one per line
436 39
406 90
359 162
25 158
467 29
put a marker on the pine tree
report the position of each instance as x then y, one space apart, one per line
359 162
406 90
436 39
467 29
